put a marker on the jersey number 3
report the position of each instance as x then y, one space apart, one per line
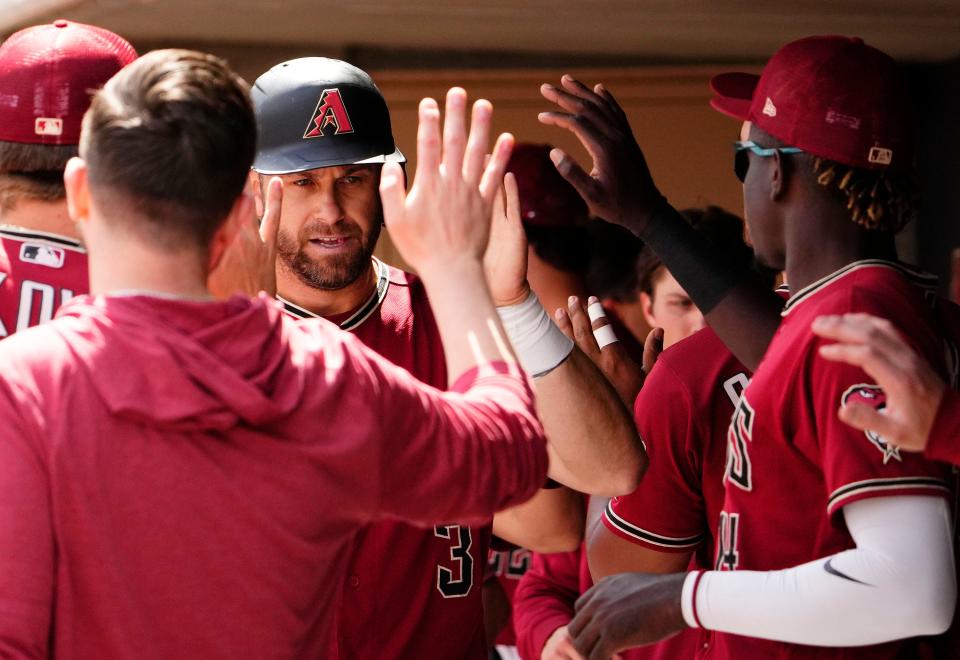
456 580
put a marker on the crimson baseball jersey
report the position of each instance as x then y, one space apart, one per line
507 566
39 272
185 478
410 592
683 414
545 597
792 464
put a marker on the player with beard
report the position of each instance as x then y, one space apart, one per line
47 76
823 525
325 132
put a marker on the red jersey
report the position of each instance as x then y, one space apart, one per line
38 273
192 507
793 465
421 587
507 566
545 598
682 413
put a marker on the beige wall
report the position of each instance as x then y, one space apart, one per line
687 144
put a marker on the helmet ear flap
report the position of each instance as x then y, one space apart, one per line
318 112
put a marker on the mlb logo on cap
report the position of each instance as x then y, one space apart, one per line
48 126
47 76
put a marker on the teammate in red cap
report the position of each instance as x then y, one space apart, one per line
47 76
182 477
325 133
823 526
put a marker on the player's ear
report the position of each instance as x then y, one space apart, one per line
240 214
777 175
646 306
253 181
78 192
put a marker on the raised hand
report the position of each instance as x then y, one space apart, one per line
627 610
624 374
505 262
445 218
248 265
619 187
913 389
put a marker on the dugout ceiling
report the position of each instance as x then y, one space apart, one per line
624 30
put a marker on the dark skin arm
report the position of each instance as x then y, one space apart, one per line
627 610
619 188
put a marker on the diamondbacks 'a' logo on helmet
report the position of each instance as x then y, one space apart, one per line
330 112
873 396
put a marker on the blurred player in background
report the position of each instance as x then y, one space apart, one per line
48 74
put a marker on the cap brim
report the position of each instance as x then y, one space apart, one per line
734 94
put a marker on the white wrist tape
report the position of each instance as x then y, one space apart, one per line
540 345
604 334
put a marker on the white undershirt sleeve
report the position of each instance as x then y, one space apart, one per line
900 581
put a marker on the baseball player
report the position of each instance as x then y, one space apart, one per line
822 524
183 477
325 132
682 413
47 75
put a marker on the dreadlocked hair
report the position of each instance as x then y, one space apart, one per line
876 199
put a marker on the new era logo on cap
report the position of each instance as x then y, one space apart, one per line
769 108
48 126
330 111
880 156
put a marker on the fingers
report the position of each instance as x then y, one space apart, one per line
428 140
562 319
392 191
476 154
270 222
582 328
574 174
493 174
454 131
652 348
512 194
861 329
603 332
863 417
880 366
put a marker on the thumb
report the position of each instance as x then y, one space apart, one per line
393 194
652 348
866 418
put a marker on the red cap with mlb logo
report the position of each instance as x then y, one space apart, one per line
48 74
832 96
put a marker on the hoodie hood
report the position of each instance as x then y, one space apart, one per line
185 365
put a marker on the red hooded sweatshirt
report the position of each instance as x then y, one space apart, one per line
179 479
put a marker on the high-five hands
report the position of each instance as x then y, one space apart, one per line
619 187
445 218
248 265
505 262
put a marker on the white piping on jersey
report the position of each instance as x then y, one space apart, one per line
362 314
23 234
918 278
879 485
628 528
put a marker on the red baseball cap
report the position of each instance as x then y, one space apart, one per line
832 96
48 74
546 199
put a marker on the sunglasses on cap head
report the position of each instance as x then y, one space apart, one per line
741 163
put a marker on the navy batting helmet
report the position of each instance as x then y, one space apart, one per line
318 112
